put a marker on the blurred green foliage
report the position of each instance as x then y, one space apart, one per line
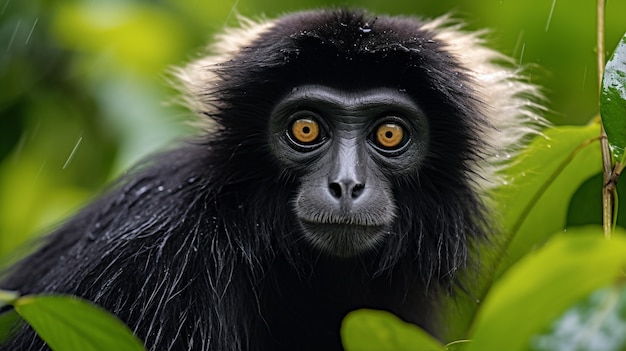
84 88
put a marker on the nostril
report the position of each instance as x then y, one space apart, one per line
346 190
357 190
335 190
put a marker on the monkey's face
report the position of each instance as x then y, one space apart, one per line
347 148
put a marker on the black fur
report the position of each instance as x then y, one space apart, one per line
198 248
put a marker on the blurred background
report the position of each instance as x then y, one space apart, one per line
84 88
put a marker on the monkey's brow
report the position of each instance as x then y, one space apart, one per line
324 96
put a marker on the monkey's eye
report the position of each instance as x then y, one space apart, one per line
390 136
305 131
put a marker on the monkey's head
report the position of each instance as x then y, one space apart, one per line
382 134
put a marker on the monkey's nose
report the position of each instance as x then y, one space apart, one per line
346 190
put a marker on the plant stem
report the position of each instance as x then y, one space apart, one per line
607 193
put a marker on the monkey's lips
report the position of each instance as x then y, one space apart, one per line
342 238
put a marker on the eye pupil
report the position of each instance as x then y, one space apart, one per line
305 131
389 136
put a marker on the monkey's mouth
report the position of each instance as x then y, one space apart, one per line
343 238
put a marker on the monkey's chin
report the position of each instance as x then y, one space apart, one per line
343 240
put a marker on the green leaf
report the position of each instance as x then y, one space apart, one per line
543 180
584 208
613 101
9 323
67 323
370 330
539 288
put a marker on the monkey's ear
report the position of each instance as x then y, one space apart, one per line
198 80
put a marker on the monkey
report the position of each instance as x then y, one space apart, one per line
346 161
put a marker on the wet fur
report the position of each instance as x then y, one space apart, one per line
198 247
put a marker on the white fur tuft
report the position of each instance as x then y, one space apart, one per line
195 76
511 105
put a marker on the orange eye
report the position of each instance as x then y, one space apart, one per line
305 130
389 135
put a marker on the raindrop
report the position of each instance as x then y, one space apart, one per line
365 28
4 8
31 31
17 26
39 172
518 42
505 155
69 159
160 188
232 11
142 190
550 15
